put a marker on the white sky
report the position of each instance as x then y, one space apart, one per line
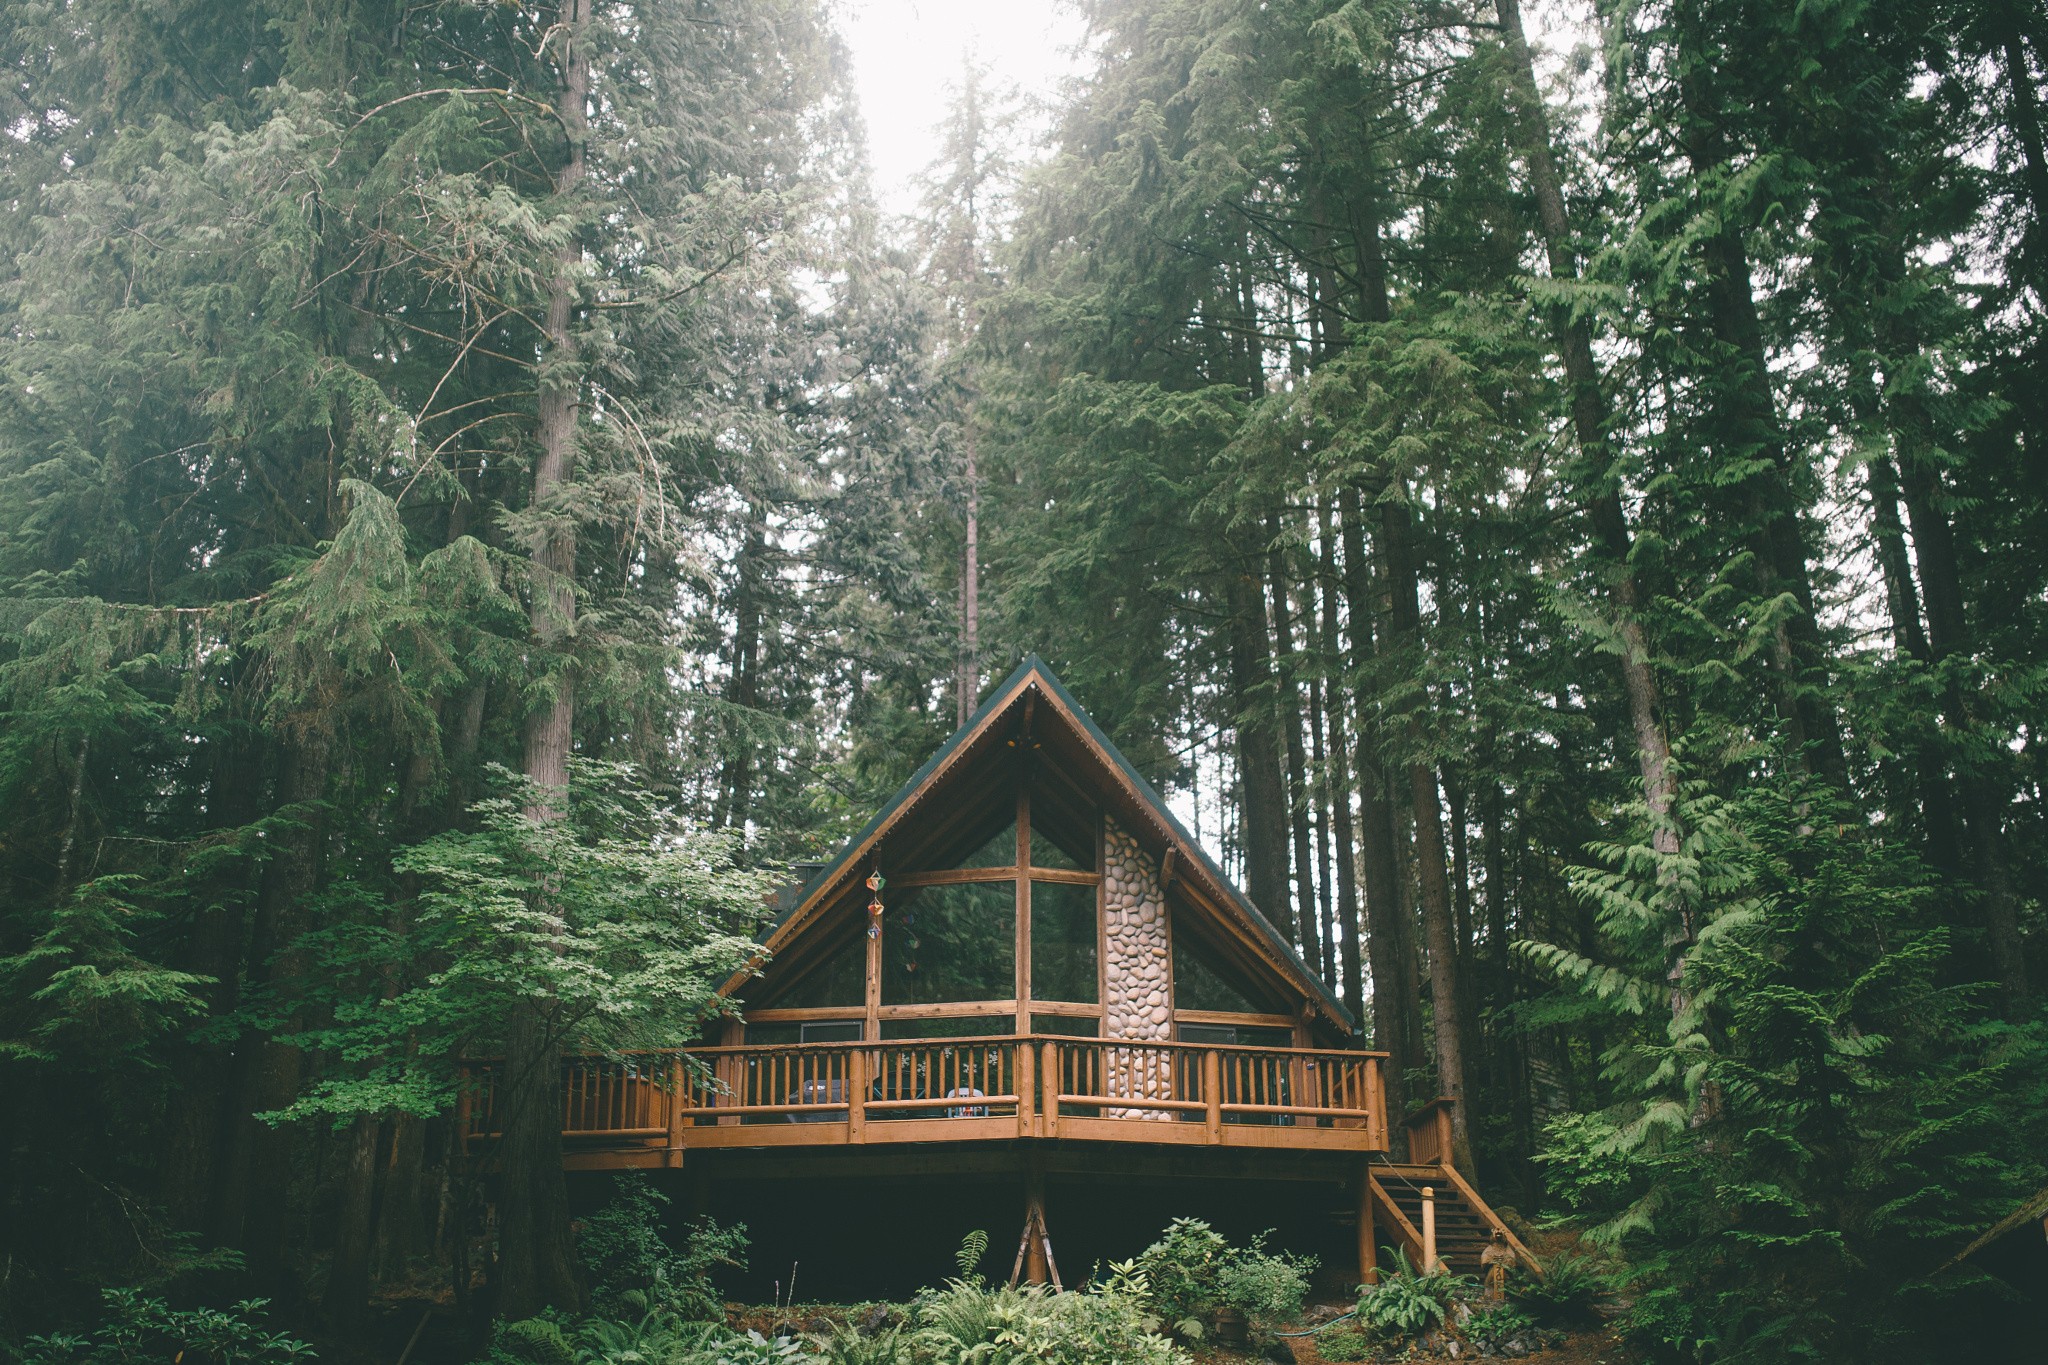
907 53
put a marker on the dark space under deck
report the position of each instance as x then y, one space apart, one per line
882 1223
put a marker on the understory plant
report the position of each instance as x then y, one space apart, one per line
1193 1271
1406 1303
632 1266
974 1324
139 1329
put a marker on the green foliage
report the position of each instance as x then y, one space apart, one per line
1346 1344
624 914
1569 1292
850 1346
137 1329
1183 1271
1495 1326
1813 1113
630 1264
1406 1304
978 1325
972 1248
1192 1271
532 1341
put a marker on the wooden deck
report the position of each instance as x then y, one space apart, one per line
646 1110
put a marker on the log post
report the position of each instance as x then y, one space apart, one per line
1428 1230
857 1094
1026 1081
1212 1092
1368 1240
1035 1265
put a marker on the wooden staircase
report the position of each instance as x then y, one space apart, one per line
1397 1191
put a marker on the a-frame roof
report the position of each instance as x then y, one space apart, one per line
1033 690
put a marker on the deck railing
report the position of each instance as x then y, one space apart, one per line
934 1090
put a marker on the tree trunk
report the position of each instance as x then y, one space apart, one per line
744 693
252 1192
1262 782
969 681
1613 541
1289 688
1390 943
1750 434
536 1262
1432 883
1319 787
1349 956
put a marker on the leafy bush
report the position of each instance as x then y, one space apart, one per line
1031 1326
1345 1344
1492 1328
1267 1288
1192 1271
1181 1271
532 1341
661 1337
632 1267
850 1346
1568 1294
138 1328
1406 1304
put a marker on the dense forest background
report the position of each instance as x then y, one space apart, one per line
483 486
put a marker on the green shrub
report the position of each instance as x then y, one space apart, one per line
1032 1326
1495 1326
1345 1344
1192 1271
1267 1288
632 1267
1182 1270
1405 1304
849 1346
139 1328
1568 1294
532 1341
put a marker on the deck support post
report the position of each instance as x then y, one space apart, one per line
1368 1238
1034 1249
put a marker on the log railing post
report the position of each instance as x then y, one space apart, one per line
857 1094
1212 1093
678 1100
1026 1081
1050 1072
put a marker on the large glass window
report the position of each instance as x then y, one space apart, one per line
841 979
1000 850
1202 981
1046 853
947 943
1063 943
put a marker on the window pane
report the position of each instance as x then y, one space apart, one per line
986 1026
1063 942
1202 982
1046 853
840 979
946 943
999 851
1064 1024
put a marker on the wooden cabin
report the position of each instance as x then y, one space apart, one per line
1024 970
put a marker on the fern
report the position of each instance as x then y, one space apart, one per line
972 1248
